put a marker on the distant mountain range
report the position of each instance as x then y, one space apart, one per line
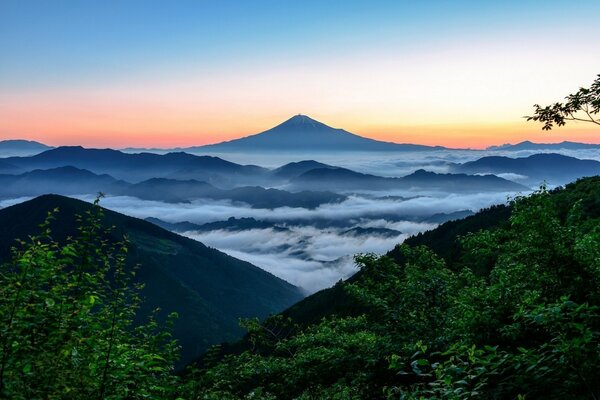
231 224
347 180
299 133
177 177
18 147
74 181
302 133
142 166
553 168
527 145
209 289
63 180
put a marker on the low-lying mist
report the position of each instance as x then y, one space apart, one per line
316 248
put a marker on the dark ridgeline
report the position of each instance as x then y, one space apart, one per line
137 167
528 145
207 288
181 177
553 168
345 179
74 181
19 147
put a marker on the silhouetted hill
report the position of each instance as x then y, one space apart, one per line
231 224
460 182
345 179
18 147
554 168
138 167
302 133
527 145
440 218
256 196
63 180
74 181
359 231
295 169
209 289
6 168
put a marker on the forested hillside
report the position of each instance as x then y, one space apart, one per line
209 289
507 311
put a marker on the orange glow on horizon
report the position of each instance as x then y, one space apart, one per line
171 134
456 96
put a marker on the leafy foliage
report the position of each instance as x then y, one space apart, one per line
511 311
582 106
209 289
525 326
67 315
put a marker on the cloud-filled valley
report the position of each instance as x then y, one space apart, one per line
314 251
356 202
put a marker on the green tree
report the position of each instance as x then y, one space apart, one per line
67 313
517 316
582 106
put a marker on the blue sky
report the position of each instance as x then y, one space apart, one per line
54 47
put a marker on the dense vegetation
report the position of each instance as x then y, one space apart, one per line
67 315
209 289
512 314
506 309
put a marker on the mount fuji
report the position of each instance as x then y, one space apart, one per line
302 133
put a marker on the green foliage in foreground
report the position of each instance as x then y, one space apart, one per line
530 328
513 315
66 328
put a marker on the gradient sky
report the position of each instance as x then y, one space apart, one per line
178 73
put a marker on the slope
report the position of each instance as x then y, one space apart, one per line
209 289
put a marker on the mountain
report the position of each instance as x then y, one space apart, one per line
527 145
209 289
359 231
62 180
6 168
171 190
302 133
440 218
553 168
460 182
345 179
142 166
231 224
9 148
295 169
75 181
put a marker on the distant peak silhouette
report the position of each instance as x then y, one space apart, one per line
302 133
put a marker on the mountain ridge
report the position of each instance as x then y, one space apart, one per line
529 145
209 289
551 167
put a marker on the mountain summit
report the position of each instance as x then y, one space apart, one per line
302 133
302 122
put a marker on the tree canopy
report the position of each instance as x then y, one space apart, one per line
581 106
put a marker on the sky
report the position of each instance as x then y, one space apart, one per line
181 73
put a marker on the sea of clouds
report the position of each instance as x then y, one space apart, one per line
314 252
